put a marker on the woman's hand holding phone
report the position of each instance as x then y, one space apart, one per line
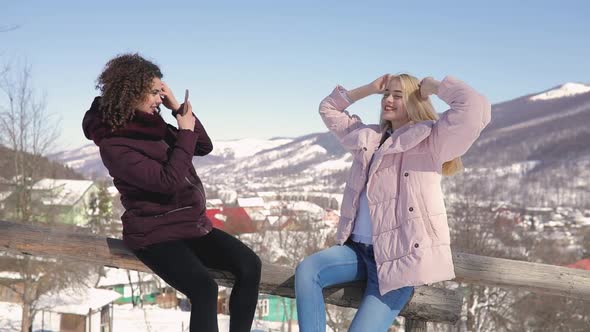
184 107
185 117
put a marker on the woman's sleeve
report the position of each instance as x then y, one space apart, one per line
460 126
332 111
135 168
204 145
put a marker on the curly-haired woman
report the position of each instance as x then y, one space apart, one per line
164 223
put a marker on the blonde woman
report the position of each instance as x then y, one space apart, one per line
393 229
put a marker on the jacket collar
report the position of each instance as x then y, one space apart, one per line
402 139
142 126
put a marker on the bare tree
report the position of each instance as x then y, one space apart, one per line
28 131
100 212
295 236
472 214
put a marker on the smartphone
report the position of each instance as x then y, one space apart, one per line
185 107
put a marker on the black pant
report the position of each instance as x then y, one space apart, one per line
183 265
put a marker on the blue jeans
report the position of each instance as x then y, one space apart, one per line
339 264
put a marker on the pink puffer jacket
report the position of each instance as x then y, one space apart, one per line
410 231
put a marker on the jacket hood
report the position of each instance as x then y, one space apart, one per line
142 126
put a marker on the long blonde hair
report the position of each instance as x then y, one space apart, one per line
420 109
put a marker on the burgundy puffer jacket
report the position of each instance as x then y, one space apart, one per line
151 163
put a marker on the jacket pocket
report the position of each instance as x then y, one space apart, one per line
391 244
438 227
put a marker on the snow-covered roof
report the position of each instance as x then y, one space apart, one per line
10 275
64 192
214 202
4 194
272 219
17 275
251 202
116 276
77 301
305 206
585 221
267 194
538 209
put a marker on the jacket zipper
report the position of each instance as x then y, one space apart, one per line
201 193
175 210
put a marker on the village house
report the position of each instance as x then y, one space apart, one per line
62 200
77 310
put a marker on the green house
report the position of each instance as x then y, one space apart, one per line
68 199
274 308
62 200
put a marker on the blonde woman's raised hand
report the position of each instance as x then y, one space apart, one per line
428 86
377 86
186 121
380 84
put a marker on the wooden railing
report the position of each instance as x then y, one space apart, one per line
428 304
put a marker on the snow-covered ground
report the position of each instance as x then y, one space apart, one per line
127 318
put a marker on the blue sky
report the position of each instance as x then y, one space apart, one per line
260 68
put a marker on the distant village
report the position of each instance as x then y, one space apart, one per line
71 204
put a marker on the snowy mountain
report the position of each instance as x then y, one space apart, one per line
540 138
536 140
545 134
246 147
86 159
315 161
565 90
551 127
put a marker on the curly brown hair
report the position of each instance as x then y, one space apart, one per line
124 82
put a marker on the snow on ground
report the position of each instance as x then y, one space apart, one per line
10 317
306 154
153 318
520 168
343 162
127 318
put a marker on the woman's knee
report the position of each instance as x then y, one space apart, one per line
201 287
306 270
250 268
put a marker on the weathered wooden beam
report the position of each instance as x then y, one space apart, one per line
534 277
428 303
415 325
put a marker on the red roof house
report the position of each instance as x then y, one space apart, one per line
583 264
233 220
